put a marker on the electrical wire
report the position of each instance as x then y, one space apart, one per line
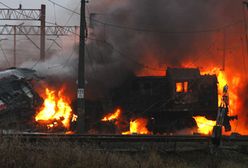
21 13
68 20
48 22
49 47
68 9
145 30
138 29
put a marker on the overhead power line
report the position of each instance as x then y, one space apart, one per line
35 30
139 29
19 14
28 16
33 14
68 9
166 32
70 31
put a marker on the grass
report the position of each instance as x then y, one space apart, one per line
56 154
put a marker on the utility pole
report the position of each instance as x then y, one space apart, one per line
81 70
42 32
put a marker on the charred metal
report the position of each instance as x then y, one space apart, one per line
18 99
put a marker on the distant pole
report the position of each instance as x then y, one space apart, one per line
81 71
14 59
42 32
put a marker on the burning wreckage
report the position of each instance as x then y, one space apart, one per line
18 99
146 105
183 99
22 107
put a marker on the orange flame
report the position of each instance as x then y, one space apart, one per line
112 116
179 87
137 126
204 125
182 87
56 109
233 82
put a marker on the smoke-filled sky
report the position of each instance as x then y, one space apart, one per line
156 17
60 14
168 16
144 34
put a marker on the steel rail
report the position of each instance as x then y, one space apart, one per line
122 138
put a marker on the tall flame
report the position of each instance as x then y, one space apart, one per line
56 108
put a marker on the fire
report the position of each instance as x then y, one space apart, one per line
222 79
137 126
179 87
233 80
56 110
182 87
74 118
112 116
230 76
204 125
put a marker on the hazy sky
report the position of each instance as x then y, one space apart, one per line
60 14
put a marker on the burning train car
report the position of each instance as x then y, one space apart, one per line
169 102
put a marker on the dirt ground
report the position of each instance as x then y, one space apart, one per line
17 154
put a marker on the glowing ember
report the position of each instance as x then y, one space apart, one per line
74 118
204 125
138 126
56 109
112 116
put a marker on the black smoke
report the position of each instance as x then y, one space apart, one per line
170 30
124 33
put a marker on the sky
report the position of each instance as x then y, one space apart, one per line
60 14
25 49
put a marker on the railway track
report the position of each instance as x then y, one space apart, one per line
122 138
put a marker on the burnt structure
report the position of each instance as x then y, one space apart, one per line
18 99
169 102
